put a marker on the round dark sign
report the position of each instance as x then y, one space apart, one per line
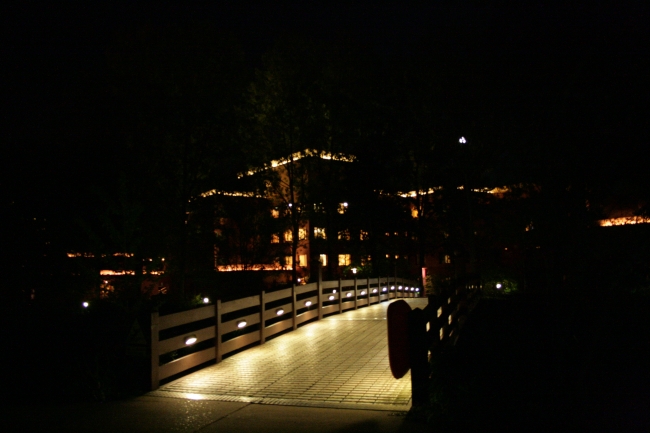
398 343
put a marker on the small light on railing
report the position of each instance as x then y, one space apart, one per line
241 324
399 288
190 340
85 304
384 289
331 298
417 289
412 289
374 290
392 287
279 312
363 292
307 303
334 291
349 294
206 300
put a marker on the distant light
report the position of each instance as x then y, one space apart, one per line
241 324
190 340
279 312
374 290
499 285
417 289
392 287
399 288
290 204
298 279
345 204
349 294
206 300
363 292
331 298
384 289
354 270
462 140
85 304
334 291
307 303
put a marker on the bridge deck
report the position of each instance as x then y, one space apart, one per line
341 361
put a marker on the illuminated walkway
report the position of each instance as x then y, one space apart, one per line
340 362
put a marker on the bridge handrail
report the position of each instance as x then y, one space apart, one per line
266 310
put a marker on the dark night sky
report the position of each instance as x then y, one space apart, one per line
577 70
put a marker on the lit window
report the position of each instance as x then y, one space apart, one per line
343 207
365 260
318 207
275 238
396 256
344 259
446 258
302 260
364 235
319 233
302 234
388 256
323 259
288 236
275 213
288 260
344 235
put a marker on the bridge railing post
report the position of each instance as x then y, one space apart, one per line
155 356
356 303
293 307
217 331
262 314
340 296
319 287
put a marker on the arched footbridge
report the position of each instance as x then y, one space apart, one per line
340 361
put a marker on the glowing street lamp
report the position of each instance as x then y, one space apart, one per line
462 140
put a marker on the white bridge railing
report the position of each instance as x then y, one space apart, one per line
208 333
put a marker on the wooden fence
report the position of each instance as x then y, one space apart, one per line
224 327
437 325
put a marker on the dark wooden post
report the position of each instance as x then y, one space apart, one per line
293 307
319 286
217 333
155 356
262 314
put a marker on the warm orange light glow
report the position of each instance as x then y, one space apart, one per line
111 272
623 221
229 193
298 156
256 267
